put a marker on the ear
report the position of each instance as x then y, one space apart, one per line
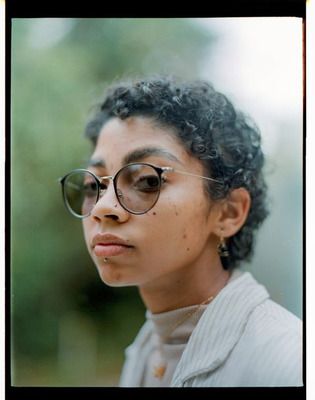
232 213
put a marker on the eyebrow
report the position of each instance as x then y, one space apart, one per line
138 155
97 163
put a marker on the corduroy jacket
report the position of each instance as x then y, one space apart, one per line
242 339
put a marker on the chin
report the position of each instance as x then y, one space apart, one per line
112 275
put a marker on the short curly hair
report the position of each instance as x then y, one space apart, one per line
210 128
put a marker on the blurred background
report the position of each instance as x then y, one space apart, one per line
68 328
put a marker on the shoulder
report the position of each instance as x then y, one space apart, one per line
244 339
271 327
271 347
276 318
278 328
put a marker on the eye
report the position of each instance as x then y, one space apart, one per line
103 186
90 189
147 183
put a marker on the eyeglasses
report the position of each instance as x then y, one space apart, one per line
137 187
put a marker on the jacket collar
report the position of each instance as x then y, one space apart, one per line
222 323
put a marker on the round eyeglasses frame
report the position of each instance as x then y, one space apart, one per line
159 171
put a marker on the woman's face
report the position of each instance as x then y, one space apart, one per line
169 240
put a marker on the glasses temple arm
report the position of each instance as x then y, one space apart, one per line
188 173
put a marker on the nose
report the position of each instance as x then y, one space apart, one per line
108 206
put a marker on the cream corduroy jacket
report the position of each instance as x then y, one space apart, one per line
242 339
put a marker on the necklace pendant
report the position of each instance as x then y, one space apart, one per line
159 371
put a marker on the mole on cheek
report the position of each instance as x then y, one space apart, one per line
188 248
184 236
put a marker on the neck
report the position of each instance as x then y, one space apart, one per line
187 287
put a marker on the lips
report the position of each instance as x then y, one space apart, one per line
107 245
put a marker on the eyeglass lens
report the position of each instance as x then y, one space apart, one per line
81 192
137 188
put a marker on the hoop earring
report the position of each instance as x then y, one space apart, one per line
224 254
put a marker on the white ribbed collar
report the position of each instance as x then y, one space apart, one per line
222 323
164 322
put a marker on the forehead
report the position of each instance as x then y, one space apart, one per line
118 138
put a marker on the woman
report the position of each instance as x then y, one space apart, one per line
170 201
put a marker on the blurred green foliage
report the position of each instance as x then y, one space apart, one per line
68 328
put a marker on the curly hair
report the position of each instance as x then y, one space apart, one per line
210 128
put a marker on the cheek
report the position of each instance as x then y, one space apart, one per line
86 232
181 226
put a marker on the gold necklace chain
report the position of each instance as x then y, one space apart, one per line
159 370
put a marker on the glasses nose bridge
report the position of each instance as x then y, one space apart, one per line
104 178
106 191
